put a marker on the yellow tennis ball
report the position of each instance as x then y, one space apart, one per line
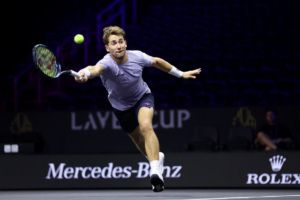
78 38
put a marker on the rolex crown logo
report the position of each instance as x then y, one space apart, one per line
277 162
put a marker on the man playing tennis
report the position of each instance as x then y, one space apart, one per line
133 104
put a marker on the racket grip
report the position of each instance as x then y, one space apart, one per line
73 73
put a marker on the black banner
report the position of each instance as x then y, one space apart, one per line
99 131
182 170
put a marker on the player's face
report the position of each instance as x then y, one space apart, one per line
116 46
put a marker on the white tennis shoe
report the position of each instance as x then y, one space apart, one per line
156 175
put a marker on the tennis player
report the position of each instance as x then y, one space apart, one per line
120 71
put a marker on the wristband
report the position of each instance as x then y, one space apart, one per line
176 72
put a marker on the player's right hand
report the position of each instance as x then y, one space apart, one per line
82 77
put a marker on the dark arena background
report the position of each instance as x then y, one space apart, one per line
60 139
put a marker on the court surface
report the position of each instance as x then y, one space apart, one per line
199 194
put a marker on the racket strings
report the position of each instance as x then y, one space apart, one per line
46 61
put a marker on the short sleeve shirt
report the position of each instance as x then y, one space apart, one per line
124 82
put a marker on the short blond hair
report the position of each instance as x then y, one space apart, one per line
112 30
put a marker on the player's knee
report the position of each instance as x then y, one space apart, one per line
146 127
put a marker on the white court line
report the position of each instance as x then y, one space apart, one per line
252 197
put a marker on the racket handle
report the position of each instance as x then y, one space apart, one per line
73 73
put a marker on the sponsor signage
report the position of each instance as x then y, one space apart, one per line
109 171
93 121
94 131
275 176
182 170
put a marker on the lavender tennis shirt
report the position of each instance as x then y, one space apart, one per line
124 82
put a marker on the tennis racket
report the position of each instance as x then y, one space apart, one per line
45 60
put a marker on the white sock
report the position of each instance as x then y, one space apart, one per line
154 164
161 156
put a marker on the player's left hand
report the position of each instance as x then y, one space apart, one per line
191 74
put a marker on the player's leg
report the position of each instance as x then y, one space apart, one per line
138 139
145 117
129 122
138 122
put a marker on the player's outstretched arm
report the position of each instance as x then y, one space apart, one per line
167 67
89 72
